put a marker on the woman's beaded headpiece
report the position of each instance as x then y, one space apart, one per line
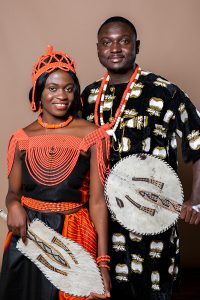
47 63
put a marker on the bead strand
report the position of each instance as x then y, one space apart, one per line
102 261
101 97
103 258
104 266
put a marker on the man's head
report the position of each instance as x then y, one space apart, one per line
117 45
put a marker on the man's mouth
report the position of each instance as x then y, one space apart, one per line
116 58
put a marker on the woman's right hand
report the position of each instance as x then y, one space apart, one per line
107 286
17 220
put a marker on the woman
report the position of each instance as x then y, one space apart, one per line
48 167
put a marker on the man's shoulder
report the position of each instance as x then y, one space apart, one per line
154 80
151 77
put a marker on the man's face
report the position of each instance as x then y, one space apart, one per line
117 47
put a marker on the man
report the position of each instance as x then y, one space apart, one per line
143 112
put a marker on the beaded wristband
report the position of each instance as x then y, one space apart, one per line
103 258
104 266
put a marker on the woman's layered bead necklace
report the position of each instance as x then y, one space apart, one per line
112 126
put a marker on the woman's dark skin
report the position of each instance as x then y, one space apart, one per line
57 97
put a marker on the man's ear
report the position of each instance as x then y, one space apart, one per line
137 46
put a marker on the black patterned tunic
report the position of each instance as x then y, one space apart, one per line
146 267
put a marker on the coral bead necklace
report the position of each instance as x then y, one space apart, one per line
54 126
112 126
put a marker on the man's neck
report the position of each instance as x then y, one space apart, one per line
117 78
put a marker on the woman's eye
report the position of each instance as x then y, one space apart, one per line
69 89
52 89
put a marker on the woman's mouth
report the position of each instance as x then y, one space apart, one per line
60 106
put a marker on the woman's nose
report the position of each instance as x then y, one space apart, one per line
62 94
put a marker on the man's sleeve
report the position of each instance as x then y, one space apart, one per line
84 96
187 126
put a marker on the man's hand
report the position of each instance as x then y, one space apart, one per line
189 214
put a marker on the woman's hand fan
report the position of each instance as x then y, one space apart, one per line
67 265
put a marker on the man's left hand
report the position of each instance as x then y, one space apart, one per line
189 214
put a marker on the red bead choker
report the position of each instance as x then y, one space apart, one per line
54 126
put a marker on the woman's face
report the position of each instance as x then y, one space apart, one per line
57 96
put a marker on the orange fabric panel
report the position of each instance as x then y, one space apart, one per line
79 228
15 138
85 188
7 240
51 206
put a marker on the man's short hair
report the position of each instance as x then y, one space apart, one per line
118 19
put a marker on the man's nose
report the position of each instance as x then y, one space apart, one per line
115 47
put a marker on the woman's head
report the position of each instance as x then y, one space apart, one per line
53 62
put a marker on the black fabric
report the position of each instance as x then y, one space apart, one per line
171 96
146 267
138 286
66 191
20 278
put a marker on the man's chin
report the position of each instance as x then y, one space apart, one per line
118 69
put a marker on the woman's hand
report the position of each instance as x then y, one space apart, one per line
107 286
17 220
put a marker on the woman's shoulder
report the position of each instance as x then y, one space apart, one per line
17 135
32 128
89 132
85 127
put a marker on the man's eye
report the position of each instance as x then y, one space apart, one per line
106 43
124 41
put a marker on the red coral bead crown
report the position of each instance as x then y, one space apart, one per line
47 63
